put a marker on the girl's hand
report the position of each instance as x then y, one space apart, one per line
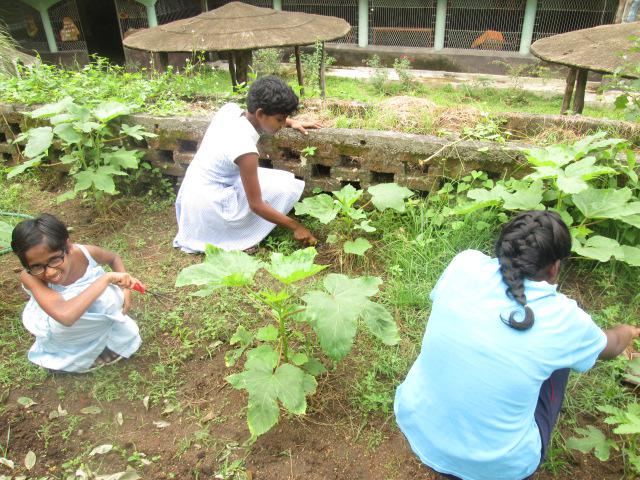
304 236
302 126
122 279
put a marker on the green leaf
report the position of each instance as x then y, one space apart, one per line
630 255
287 384
51 109
598 247
332 238
26 402
357 246
528 198
63 197
40 140
242 336
333 314
5 235
137 131
348 195
18 169
292 268
268 333
314 367
299 359
109 110
91 410
102 179
322 207
122 158
592 439
602 203
381 323
364 225
389 195
67 133
221 268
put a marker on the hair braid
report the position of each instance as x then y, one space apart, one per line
528 244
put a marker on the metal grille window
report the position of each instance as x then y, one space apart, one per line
65 22
484 24
409 23
560 16
345 9
170 10
25 26
131 16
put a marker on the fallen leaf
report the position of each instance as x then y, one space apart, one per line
30 460
119 418
101 450
91 410
208 417
7 462
145 402
161 424
26 402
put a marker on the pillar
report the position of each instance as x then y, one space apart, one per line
152 18
277 5
441 20
42 6
527 26
363 23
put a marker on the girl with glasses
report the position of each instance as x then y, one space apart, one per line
76 310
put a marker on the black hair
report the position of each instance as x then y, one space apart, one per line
272 95
528 244
31 233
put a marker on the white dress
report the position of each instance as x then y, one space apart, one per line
212 206
75 348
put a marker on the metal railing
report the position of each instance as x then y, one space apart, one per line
410 23
560 16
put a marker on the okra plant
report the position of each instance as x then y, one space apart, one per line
93 144
352 218
592 184
281 365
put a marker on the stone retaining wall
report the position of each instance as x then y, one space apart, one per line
359 157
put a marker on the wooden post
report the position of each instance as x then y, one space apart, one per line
232 69
323 85
296 49
242 60
568 90
581 85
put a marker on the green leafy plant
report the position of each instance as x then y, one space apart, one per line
92 144
627 431
378 79
351 218
629 98
310 63
266 61
280 366
402 66
591 183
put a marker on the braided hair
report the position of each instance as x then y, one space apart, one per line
528 244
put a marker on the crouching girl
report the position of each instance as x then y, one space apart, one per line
76 310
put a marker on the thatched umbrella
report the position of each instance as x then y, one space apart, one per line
238 28
599 49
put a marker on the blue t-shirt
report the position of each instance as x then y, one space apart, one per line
467 405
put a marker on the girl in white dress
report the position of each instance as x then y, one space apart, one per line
227 200
77 311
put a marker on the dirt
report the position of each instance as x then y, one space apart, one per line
331 442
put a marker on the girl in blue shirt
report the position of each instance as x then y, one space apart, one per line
483 396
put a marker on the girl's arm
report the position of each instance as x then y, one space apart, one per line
248 164
67 312
106 257
301 126
618 338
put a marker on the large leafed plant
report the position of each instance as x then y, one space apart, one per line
91 141
281 362
592 184
341 208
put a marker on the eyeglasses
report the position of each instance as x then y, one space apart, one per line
53 262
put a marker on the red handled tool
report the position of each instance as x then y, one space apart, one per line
161 297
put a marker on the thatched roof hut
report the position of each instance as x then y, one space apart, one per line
238 28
